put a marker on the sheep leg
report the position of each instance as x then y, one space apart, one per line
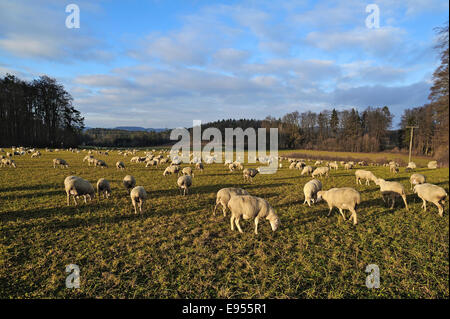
74 199
141 203
342 213
329 213
134 205
215 208
68 199
236 221
424 205
232 222
256 225
353 216
440 208
404 200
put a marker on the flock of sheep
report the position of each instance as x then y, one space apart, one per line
241 204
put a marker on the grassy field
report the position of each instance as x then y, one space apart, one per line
178 249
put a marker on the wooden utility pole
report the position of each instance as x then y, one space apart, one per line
411 140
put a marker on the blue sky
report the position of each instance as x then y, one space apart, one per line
166 63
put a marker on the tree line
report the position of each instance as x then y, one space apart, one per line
37 113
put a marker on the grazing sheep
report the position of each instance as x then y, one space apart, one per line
153 162
412 165
199 166
7 162
172 169
87 159
292 165
307 170
432 165
187 171
60 162
341 198
416 179
310 190
249 173
300 165
184 182
317 163
431 193
319 171
120 165
390 191
348 166
36 154
363 174
333 165
247 206
100 163
138 195
129 182
76 186
232 167
103 187
223 197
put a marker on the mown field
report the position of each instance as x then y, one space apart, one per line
178 249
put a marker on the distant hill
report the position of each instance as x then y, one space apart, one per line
140 129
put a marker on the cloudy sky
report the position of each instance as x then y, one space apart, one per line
165 63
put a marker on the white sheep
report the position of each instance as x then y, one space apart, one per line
223 197
7 162
432 165
319 171
171 169
187 171
348 166
363 174
411 165
416 179
307 170
100 163
60 162
333 165
76 186
103 187
341 198
431 193
310 190
247 206
138 196
129 182
120 165
390 191
249 173
184 182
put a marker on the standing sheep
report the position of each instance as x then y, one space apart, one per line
184 182
129 182
310 190
60 162
363 174
199 166
138 195
307 170
319 171
390 191
342 198
249 173
103 187
223 197
7 162
416 179
172 169
120 165
187 171
76 186
248 206
431 193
